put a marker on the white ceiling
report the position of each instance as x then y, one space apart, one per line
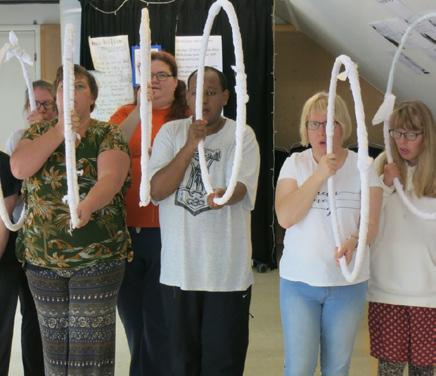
342 27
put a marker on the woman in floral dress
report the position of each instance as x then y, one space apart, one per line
74 276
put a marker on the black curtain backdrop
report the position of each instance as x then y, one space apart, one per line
187 17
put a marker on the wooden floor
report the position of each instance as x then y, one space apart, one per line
265 352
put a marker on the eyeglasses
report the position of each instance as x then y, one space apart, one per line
161 76
315 125
408 135
46 105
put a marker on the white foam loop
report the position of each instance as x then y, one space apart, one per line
69 134
7 52
13 49
145 109
5 216
362 164
385 111
241 97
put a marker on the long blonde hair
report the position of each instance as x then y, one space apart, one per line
416 116
317 103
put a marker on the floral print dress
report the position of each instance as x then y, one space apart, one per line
45 239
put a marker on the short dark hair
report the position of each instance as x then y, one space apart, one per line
221 77
79 71
41 84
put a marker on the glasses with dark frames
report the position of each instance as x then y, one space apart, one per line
161 76
408 135
46 105
315 125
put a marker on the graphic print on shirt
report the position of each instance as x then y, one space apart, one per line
193 196
344 200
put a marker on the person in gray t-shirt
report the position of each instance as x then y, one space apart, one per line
206 248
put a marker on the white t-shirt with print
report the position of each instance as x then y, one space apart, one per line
309 246
205 249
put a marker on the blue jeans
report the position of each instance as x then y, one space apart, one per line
314 317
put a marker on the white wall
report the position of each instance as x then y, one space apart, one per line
71 12
11 95
342 27
22 14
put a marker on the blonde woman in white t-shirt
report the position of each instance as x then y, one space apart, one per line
320 310
402 289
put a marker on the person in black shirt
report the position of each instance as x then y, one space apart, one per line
12 284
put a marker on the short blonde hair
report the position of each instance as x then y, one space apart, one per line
318 104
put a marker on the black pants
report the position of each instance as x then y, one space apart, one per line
140 306
13 284
208 331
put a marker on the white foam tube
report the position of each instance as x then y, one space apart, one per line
145 109
385 112
8 51
241 97
70 136
363 164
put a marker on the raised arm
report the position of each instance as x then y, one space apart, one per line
113 167
129 124
166 180
292 203
30 155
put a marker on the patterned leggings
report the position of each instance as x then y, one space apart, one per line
76 314
386 368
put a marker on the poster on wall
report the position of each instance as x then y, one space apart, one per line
188 54
111 59
136 61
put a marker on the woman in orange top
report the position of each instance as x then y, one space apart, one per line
139 300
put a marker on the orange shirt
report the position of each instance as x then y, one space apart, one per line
136 216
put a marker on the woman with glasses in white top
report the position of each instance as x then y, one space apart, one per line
320 310
45 110
402 288
13 281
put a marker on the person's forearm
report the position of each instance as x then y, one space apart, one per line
30 155
168 179
129 124
104 190
292 207
238 194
